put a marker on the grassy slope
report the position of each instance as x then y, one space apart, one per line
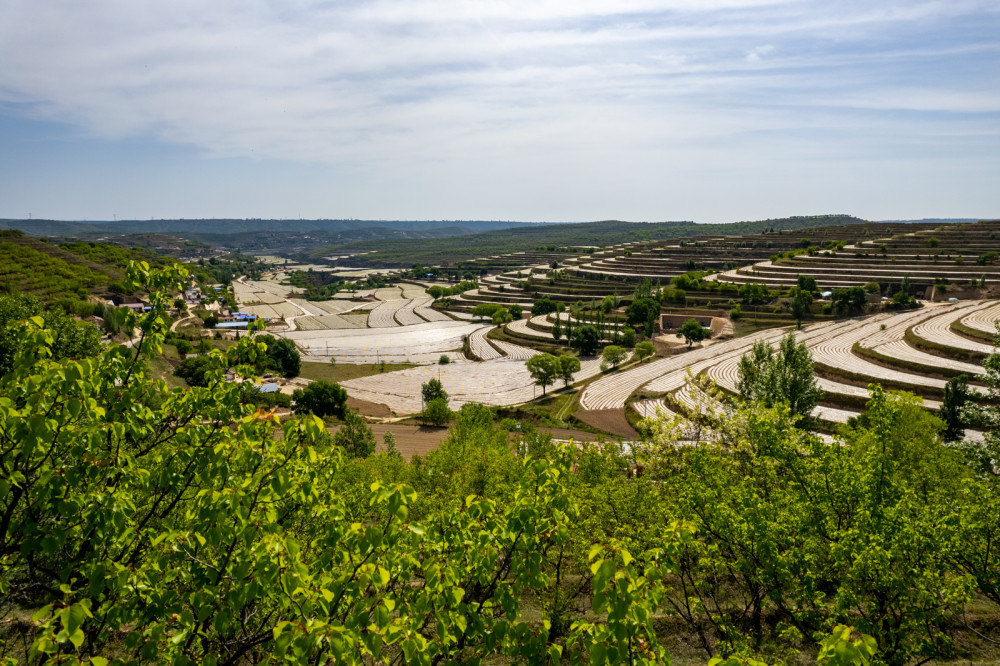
341 372
50 271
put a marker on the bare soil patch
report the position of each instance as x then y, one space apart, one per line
367 408
612 421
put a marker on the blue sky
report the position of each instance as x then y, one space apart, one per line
709 110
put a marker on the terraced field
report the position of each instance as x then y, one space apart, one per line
498 382
421 343
845 372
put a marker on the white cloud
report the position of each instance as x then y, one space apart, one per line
432 88
757 53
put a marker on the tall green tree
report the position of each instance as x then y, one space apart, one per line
586 339
355 437
544 369
320 398
785 375
568 366
692 332
956 395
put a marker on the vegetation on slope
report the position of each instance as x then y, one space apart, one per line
145 525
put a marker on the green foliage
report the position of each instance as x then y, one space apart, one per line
502 316
628 336
149 525
484 310
642 310
194 370
801 304
71 338
785 376
543 306
436 412
432 389
754 294
840 648
644 350
321 399
849 300
252 395
692 332
544 368
956 395
183 347
567 366
284 356
515 312
355 437
586 339
612 356
807 283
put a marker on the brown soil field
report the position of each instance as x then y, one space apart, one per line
367 408
609 420
420 440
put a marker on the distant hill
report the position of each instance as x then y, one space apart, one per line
392 253
235 226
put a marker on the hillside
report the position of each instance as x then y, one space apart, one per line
391 253
49 271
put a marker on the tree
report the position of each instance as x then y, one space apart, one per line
435 291
71 338
284 356
543 306
502 316
355 437
642 310
436 412
692 332
568 366
204 345
613 355
484 310
786 376
849 300
754 294
608 303
956 395
806 283
515 312
433 389
644 350
320 398
628 336
586 339
183 347
543 369
801 304
193 370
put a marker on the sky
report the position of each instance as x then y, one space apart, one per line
704 110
